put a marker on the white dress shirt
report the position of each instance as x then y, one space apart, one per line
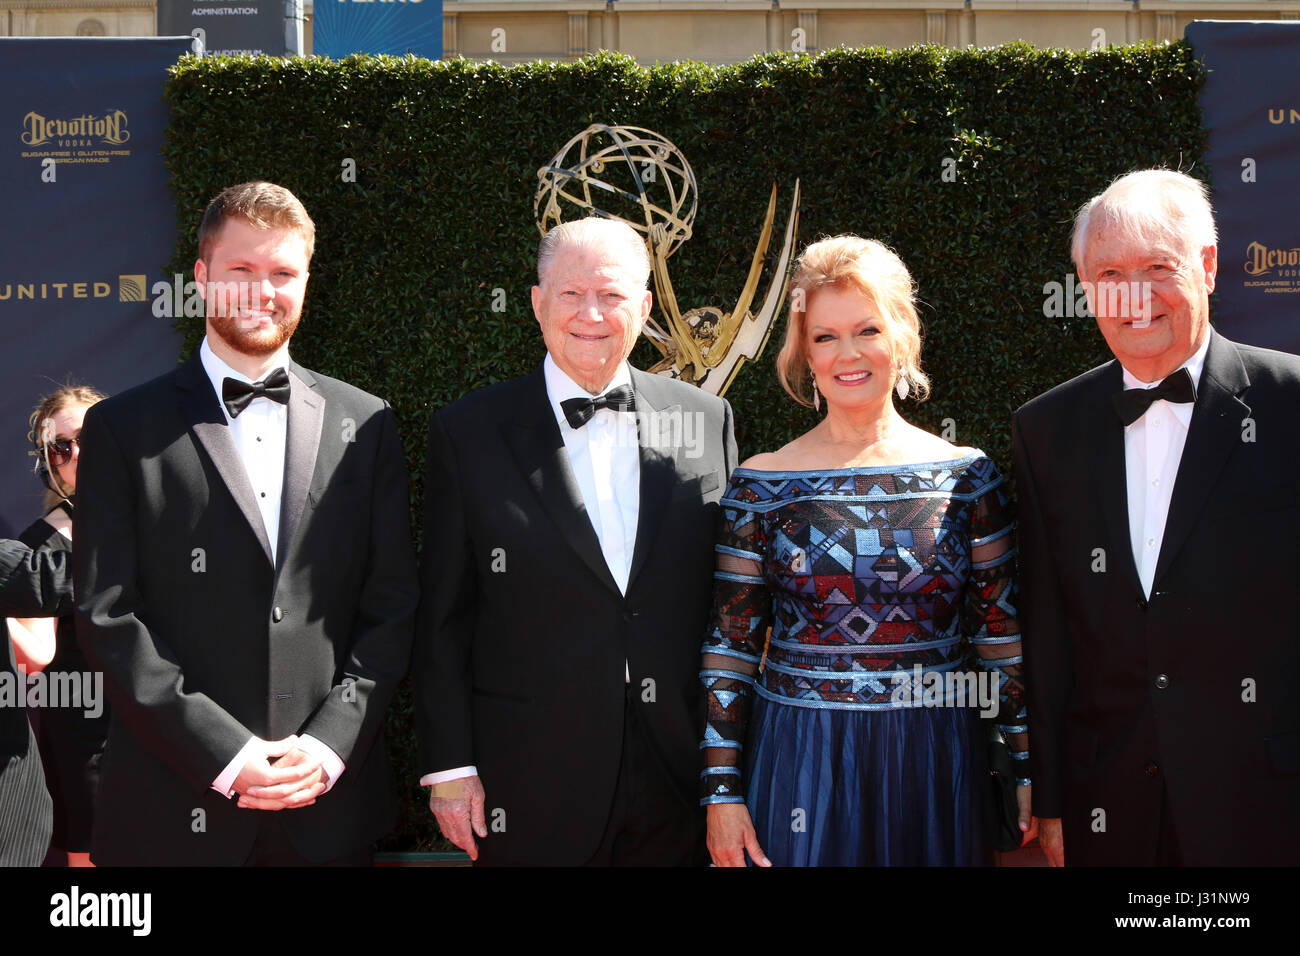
605 455
606 460
260 433
1153 448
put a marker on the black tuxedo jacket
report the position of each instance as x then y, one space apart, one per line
1193 693
32 584
523 633
205 643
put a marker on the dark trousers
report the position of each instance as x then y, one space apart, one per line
1167 850
274 848
650 824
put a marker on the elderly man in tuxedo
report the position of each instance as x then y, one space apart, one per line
245 578
568 556
1158 520
32 584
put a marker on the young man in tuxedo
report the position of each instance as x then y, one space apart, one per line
1159 514
245 578
567 577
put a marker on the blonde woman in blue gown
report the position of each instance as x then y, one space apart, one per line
881 557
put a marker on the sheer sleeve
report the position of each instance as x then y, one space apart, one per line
989 615
733 649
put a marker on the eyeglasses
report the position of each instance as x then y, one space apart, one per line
60 450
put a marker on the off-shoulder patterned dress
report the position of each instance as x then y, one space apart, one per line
853 733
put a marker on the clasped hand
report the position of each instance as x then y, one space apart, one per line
281 777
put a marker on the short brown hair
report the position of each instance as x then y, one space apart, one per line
868 267
262 204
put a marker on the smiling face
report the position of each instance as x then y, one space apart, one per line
255 281
1152 304
591 311
849 349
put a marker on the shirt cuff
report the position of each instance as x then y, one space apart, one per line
225 782
329 760
442 776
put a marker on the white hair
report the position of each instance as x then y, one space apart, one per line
1154 208
599 233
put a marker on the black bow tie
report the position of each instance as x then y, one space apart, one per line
578 411
1132 403
236 394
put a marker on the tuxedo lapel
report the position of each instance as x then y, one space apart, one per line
202 411
1215 431
1112 474
658 420
305 418
535 441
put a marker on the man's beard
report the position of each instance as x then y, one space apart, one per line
255 342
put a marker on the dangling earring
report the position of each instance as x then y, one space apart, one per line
901 385
817 399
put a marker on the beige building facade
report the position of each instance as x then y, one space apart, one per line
77 18
726 31
722 31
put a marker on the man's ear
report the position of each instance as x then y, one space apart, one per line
647 304
1210 262
537 303
200 272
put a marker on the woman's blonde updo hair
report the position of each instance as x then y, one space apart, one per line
871 268
38 428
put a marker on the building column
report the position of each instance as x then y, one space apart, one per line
578 34
936 27
965 29
807 22
450 41
1165 27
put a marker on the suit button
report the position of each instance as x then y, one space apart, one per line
276 614
1142 604
628 616
1151 769
1162 681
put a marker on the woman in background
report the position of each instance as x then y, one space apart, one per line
870 547
71 738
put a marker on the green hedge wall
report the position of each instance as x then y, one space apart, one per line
447 153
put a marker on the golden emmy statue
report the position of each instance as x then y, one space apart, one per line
634 174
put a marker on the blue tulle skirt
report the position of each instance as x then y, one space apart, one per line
867 787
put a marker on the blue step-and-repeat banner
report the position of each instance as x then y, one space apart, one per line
90 224
1251 109
342 27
